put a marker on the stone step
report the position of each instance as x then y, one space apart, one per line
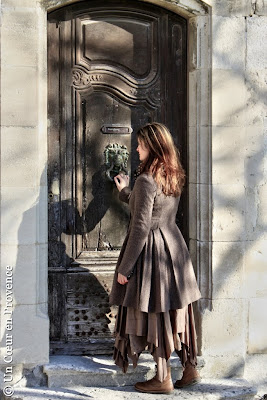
101 371
99 378
89 378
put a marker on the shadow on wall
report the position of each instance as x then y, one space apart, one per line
238 160
238 178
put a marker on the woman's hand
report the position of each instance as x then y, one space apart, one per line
121 181
122 279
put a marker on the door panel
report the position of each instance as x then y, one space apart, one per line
122 42
112 67
99 204
113 42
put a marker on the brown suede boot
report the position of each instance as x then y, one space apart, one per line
155 386
190 377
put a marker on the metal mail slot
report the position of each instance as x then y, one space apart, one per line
116 129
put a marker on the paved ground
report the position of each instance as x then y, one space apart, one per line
216 389
97 378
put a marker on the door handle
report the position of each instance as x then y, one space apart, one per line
116 158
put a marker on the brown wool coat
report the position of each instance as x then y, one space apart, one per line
155 252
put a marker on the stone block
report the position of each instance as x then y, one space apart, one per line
42 279
193 154
43 172
204 97
199 155
255 267
19 155
261 7
199 98
228 212
223 332
226 367
100 371
33 219
186 8
200 253
228 270
193 99
256 82
87 371
199 44
252 230
252 372
19 37
24 284
19 89
199 209
262 208
30 288
42 216
204 212
256 43
257 339
255 150
22 3
53 4
30 336
228 54
228 154
17 375
19 216
237 8
193 212
229 98
256 210
204 47
8 262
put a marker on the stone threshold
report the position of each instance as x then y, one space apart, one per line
100 371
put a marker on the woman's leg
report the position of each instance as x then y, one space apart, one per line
190 376
188 354
156 384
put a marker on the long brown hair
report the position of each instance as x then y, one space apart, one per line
163 161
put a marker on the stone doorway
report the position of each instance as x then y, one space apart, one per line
112 68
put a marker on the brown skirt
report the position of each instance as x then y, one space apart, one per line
160 333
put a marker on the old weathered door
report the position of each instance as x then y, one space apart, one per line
112 67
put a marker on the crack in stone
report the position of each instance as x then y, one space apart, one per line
253 6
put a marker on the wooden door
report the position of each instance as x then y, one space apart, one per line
112 67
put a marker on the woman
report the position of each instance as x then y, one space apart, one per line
154 283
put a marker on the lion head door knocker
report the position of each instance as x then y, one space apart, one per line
116 157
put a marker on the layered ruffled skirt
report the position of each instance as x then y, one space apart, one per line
160 333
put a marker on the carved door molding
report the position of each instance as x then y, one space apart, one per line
110 64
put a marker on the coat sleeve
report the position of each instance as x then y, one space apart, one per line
124 194
141 214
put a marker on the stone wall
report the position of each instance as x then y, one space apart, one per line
226 137
239 251
23 181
